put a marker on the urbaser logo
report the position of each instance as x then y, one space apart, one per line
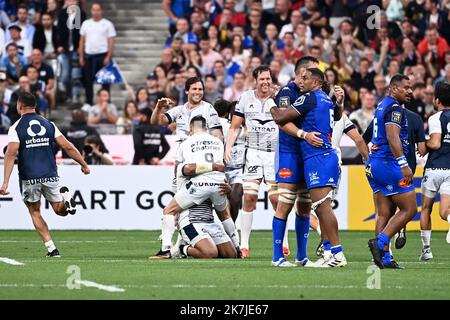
285 173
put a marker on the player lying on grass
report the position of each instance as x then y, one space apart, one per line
33 137
200 171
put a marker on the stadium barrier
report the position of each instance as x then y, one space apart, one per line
132 198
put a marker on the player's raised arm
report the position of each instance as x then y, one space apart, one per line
339 93
10 157
73 152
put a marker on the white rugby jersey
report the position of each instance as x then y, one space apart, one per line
342 126
262 131
182 116
238 150
201 147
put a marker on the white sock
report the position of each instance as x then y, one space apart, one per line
50 245
167 231
319 232
425 235
390 250
286 238
230 229
246 228
448 218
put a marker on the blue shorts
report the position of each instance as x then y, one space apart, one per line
289 167
322 171
385 176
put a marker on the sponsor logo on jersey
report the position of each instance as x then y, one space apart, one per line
389 187
403 184
36 130
263 122
285 173
252 169
285 102
32 182
396 116
314 177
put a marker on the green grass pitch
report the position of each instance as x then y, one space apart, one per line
119 258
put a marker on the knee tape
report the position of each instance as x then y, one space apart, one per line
316 204
251 187
286 196
272 188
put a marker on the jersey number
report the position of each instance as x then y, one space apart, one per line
332 118
375 128
209 157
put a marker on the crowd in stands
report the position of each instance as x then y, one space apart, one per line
223 41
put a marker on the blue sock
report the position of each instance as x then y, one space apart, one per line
383 240
387 257
278 229
336 249
301 232
326 245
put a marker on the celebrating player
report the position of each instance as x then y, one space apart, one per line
33 137
437 169
261 141
321 162
388 170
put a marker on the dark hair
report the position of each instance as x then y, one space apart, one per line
418 85
125 111
396 79
238 72
22 6
261 69
304 61
100 91
27 99
139 91
442 92
364 59
197 72
336 75
220 62
210 76
191 81
98 4
198 119
48 14
222 107
316 73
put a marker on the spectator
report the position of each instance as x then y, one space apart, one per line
446 77
363 116
96 47
23 45
209 56
364 77
46 37
223 79
380 87
410 31
103 113
302 34
189 39
176 9
54 8
45 74
68 57
5 92
26 29
167 61
38 88
233 93
126 123
194 59
415 11
161 77
393 69
178 87
410 55
332 77
254 23
12 63
153 90
291 53
295 19
24 86
212 91
2 41
142 99
434 18
271 43
275 67
213 35
287 71
92 152
150 145
435 44
78 131
282 14
428 101
237 18
179 55
239 54
317 52
416 104
313 16
231 66
339 12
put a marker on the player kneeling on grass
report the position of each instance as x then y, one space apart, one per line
201 172
33 137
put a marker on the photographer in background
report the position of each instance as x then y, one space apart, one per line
92 153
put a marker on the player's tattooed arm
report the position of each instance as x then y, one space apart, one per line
10 157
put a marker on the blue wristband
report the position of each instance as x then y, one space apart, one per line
402 162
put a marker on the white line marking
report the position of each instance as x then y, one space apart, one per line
81 241
91 284
11 261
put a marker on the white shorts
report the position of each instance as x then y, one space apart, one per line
33 189
192 194
336 190
434 181
234 176
194 232
259 165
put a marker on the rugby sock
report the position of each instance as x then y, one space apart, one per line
167 231
246 228
50 245
326 247
425 235
286 238
278 228
301 232
230 229
319 232
383 240
387 257
336 249
448 218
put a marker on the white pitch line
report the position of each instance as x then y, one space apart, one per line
11 261
81 241
91 284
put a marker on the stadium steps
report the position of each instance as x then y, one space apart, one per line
142 29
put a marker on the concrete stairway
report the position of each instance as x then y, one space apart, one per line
142 29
